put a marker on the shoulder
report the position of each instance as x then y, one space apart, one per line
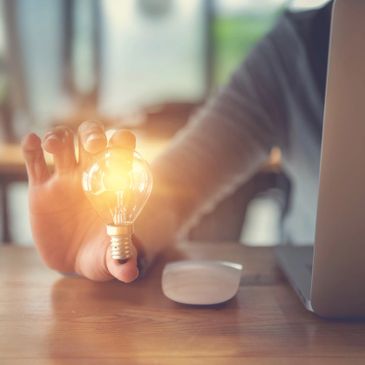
311 30
309 27
296 38
311 21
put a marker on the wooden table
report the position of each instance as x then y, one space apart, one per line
46 318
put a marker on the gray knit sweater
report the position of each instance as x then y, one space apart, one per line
274 99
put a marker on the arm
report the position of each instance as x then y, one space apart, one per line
222 146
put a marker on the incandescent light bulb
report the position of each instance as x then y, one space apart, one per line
118 185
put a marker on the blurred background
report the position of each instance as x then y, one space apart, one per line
142 64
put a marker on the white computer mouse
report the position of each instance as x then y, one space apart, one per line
201 282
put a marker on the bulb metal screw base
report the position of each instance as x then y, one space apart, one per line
120 241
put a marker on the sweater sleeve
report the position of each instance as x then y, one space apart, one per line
228 140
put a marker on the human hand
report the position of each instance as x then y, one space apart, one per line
67 231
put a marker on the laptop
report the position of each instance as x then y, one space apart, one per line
330 276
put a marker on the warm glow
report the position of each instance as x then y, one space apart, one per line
118 185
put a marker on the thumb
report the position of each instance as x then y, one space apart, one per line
126 272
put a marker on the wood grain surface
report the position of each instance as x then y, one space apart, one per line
48 318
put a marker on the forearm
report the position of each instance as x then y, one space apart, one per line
219 150
193 175
211 158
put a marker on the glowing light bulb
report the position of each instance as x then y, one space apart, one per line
118 185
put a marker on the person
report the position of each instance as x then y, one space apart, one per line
275 98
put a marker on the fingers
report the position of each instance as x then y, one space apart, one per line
123 139
92 140
34 159
126 272
60 143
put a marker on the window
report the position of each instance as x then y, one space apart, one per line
237 26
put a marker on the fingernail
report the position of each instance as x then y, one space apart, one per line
50 134
53 137
134 278
94 139
89 124
50 142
